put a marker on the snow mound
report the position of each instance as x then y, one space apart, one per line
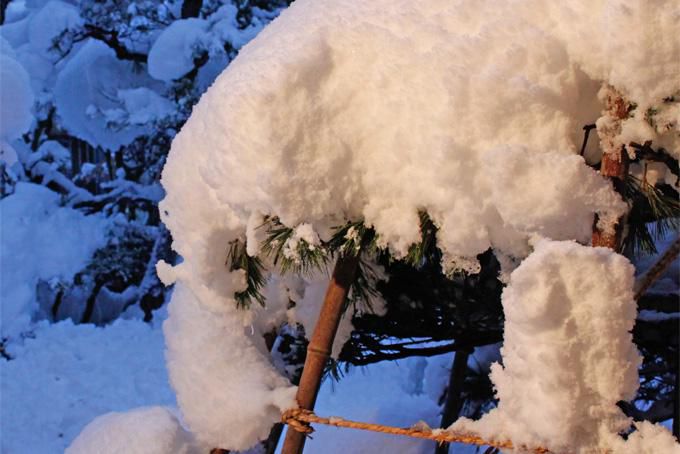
378 110
149 430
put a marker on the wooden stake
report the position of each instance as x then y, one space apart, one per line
319 348
454 395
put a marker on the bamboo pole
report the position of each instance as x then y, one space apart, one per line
614 163
319 348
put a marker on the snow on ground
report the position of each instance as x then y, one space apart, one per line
65 375
130 432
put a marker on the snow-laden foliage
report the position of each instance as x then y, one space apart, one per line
96 138
430 131
376 111
39 241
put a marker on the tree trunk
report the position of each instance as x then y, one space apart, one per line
676 402
3 9
454 398
191 8
319 348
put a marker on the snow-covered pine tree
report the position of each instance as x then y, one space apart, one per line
338 131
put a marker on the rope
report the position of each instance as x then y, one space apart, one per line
299 419
657 270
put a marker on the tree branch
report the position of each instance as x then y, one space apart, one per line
110 38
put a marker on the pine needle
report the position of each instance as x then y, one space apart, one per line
238 259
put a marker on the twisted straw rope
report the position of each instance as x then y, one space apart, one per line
299 419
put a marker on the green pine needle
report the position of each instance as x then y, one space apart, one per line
426 250
238 259
306 259
353 238
649 204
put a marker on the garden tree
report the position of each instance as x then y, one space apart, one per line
103 126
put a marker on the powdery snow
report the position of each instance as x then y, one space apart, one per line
204 351
375 110
48 23
152 430
64 375
172 54
97 94
568 355
39 240
16 96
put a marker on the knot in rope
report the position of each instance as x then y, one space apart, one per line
292 418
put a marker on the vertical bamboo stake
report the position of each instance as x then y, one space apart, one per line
454 398
319 348
614 159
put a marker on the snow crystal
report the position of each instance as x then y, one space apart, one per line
471 111
569 310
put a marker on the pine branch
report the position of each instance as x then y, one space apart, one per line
110 38
426 250
354 238
305 258
649 204
646 152
238 259
657 270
